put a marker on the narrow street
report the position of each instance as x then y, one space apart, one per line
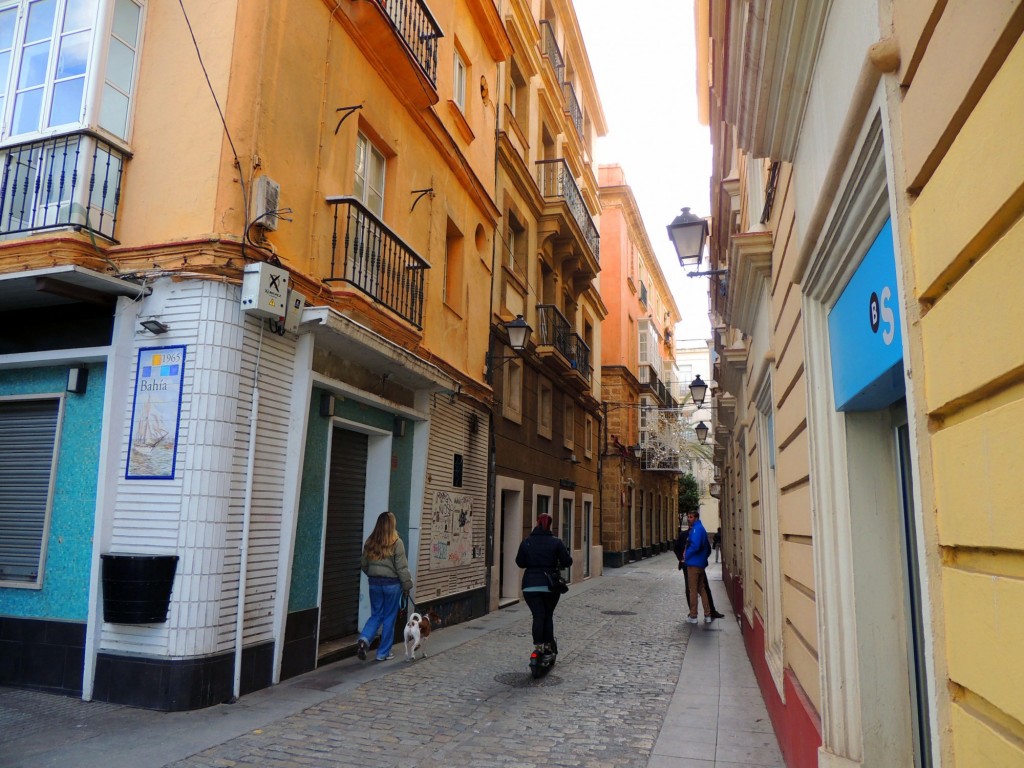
611 701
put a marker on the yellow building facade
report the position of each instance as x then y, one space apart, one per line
865 202
245 243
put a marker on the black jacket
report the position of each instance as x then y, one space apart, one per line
541 552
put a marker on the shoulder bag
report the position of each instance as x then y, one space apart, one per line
556 582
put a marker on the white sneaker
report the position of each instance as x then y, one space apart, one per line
691 619
707 619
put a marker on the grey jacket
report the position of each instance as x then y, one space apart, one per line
394 567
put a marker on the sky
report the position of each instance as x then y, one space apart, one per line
644 63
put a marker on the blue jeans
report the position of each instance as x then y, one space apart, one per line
384 601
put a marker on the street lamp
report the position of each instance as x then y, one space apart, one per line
698 390
688 233
518 337
638 451
518 333
702 432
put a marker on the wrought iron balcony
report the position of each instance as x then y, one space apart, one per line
554 330
556 181
366 254
555 334
549 47
579 357
73 180
572 106
417 28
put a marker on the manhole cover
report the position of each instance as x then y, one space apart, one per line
525 680
619 613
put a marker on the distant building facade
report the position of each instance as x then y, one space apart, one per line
546 269
639 502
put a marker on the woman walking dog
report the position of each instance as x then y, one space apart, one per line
385 565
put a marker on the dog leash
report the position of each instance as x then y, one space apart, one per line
410 604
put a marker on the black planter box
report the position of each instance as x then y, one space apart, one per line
137 588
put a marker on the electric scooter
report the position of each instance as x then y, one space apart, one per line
542 659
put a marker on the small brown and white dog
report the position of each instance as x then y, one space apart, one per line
417 630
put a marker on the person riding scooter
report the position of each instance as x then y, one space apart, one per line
540 554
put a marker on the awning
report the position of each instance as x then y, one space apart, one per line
63 285
344 337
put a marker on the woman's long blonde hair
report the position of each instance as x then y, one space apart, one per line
381 543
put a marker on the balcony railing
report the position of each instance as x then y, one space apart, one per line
368 255
416 26
73 180
579 356
549 47
555 331
556 181
572 106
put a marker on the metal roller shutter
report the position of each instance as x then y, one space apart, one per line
344 535
28 430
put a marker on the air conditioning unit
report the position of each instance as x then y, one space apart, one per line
266 202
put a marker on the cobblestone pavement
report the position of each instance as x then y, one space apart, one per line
621 641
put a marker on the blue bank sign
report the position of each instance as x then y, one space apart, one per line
864 333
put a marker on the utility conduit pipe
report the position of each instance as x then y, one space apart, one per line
243 565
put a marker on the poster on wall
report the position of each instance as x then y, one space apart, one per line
156 413
451 530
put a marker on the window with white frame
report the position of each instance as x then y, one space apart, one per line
459 85
28 464
66 64
515 243
369 173
647 416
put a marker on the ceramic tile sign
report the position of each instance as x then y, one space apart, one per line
156 413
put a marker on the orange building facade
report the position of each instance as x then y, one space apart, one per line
639 504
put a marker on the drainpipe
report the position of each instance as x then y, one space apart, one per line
243 567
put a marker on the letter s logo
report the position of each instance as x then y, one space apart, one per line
888 318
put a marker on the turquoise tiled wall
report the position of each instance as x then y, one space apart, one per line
305 582
65 592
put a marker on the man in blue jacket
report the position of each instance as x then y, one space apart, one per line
695 558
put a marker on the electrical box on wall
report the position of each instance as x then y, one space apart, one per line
265 290
266 196
296 303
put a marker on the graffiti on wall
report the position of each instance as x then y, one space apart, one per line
451 530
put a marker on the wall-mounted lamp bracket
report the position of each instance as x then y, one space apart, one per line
493 362
709 272
348 111
419 196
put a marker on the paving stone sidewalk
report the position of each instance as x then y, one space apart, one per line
622 640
